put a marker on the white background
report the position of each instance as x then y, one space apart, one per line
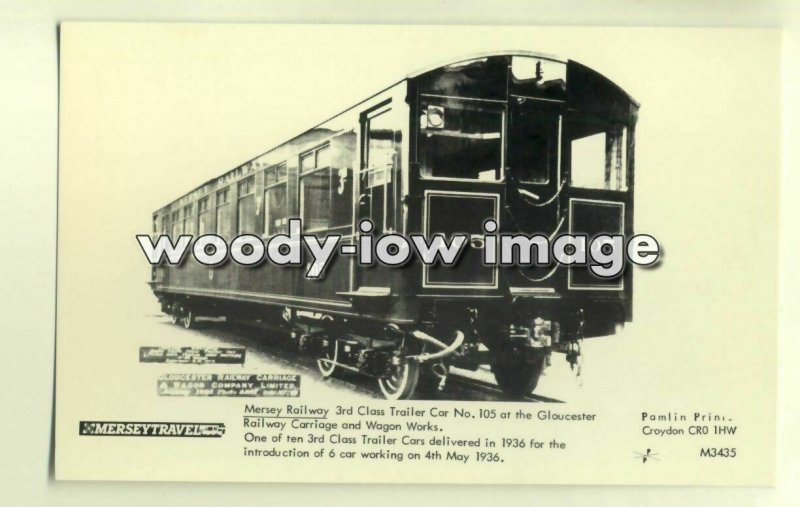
28 158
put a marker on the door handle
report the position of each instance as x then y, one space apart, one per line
528 193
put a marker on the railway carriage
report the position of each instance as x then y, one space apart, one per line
536 143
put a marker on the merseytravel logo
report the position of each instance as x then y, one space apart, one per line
150 429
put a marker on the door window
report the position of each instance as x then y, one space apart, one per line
381 163
533 146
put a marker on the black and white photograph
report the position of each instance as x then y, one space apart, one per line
350 252
464 249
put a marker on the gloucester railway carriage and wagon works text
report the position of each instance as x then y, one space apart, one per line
363 432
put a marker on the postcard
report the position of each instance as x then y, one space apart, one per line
417 254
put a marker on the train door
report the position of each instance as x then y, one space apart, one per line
534 182
460 159
379 184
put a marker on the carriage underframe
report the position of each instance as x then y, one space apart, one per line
409 359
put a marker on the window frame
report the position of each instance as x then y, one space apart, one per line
188 217
226 192
269 186
492 106
557 113
366 172
249 183
202 209
621 175
175 220
301 173
369 171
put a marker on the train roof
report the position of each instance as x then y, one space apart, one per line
414 75
512 53
485 54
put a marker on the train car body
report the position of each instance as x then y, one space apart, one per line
538 144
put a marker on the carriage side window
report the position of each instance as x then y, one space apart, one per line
597 154
202 216
460 140
315 198
165 224
223 213
176 225
276 212
188 219
246 209
326 186
343 155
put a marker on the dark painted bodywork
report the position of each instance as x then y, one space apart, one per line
411 202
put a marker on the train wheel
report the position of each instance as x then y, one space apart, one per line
515 375
401 382
175 315
327 362
188 318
